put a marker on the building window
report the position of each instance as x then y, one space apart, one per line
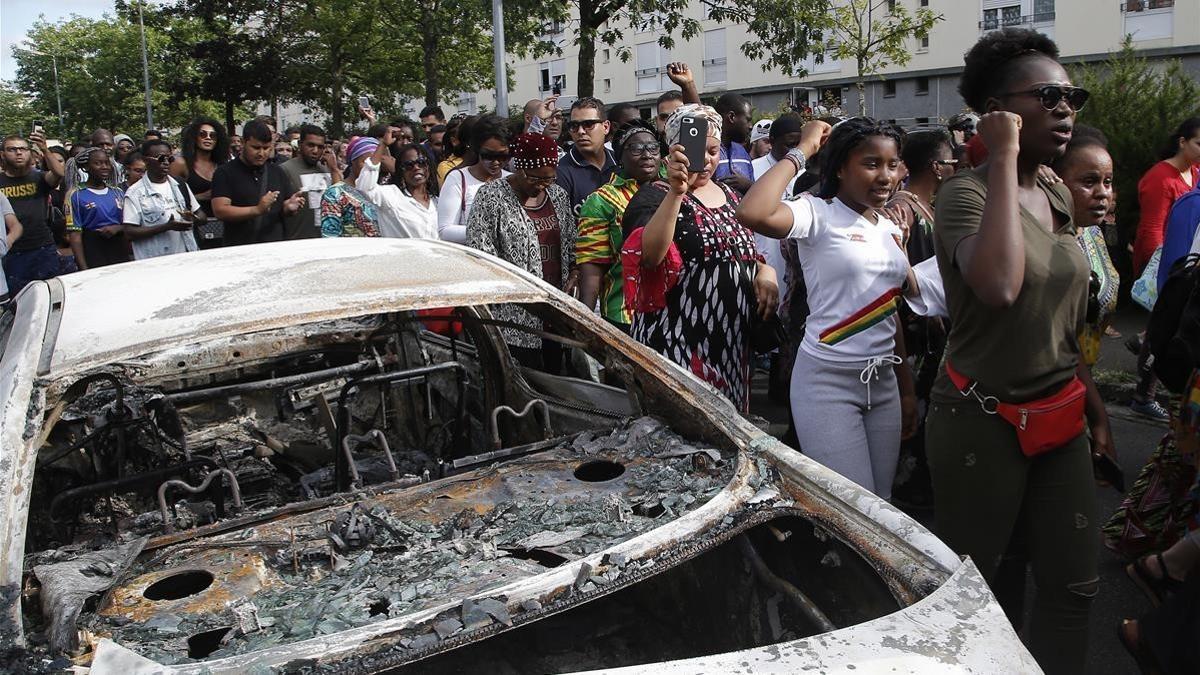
466 103
714 57
1143 5
924 3
651 68
1043 11
922 86
1001 16
553 74
607 85
891 6
889 88
607 56
922 120
924 44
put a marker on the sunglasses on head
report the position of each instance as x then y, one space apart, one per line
586 125
490 156
1052 94
410 163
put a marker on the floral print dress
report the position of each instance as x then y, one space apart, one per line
700 318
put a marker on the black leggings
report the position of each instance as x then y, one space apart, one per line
1006 510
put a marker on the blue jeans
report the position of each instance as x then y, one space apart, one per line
22 267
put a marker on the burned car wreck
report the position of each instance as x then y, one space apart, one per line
333 464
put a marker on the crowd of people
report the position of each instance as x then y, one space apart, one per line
929 303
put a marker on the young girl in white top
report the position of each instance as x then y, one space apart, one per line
488 142
851 393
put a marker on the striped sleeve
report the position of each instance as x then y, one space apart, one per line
596 216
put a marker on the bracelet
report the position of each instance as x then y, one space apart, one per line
796 156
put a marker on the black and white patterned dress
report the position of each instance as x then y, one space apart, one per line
704 326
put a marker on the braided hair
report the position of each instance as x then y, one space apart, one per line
845 137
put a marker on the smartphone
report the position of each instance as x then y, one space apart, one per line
364 102
693 136
38 125
556 89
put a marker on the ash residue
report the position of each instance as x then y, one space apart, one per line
380 564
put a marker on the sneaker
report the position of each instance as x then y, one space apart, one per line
1151 409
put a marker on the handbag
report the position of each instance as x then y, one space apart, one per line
1042 425
1145 289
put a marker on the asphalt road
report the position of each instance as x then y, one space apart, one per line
1135 439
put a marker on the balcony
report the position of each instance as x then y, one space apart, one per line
1149 19
1023 20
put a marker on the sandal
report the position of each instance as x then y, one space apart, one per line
1131 639
1155 588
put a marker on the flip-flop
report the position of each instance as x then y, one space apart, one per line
1129 635
1155 588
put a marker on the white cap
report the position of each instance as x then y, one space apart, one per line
761 130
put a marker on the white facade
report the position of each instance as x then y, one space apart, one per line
923 90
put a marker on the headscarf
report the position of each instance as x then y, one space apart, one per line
532 151
692 110
629 130
362 145
122 137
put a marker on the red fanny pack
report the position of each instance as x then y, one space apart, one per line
1042 425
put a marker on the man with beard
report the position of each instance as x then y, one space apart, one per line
311 172
246 191
34 256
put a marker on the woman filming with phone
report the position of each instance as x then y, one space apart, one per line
693 276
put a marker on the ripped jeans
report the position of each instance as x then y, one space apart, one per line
1005 510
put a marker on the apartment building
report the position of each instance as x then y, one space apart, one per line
923 91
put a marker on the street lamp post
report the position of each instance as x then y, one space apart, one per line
145 70
498 58
62 127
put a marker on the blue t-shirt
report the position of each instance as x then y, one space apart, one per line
91 209
1179 232
734 159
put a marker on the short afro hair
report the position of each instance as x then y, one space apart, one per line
988 66
921 148
1082 136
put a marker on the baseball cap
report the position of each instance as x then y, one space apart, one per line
761 130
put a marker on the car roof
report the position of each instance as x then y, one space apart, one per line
135 308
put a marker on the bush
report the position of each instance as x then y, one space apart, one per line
1137 104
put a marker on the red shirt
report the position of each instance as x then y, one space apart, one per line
1157 191
545 224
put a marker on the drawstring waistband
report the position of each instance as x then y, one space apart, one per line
871 371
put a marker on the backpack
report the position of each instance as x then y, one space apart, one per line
1174 330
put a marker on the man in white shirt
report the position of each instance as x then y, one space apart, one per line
784 135
159 210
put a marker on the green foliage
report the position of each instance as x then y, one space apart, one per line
1137 104
18 111
100 76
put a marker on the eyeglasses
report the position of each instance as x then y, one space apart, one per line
1052 94
17 149
946 162
538 180
642 149
489 156
163 158
586 125
206 134
410 163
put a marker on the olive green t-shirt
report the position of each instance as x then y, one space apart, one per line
1029 350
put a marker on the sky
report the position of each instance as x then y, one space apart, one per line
18 16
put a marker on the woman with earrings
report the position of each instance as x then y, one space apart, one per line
406 208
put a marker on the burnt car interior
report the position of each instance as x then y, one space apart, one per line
250 492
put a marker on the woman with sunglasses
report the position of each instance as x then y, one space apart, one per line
205 146
488 147
526 219
406 208
1012 469
597 251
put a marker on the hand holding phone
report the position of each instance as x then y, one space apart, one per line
693 136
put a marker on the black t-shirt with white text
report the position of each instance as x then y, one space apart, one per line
29 196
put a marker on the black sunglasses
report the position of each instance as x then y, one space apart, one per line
586 125
410 163
489 156
1053 94
642 149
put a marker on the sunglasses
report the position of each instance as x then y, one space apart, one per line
206 134
163 158
1053 94
410 163
489 156
586 125
946 162
642 149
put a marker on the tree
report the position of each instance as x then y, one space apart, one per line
455 39
1137 104
100 75
874 34
18 112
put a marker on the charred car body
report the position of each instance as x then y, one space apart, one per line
319 456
